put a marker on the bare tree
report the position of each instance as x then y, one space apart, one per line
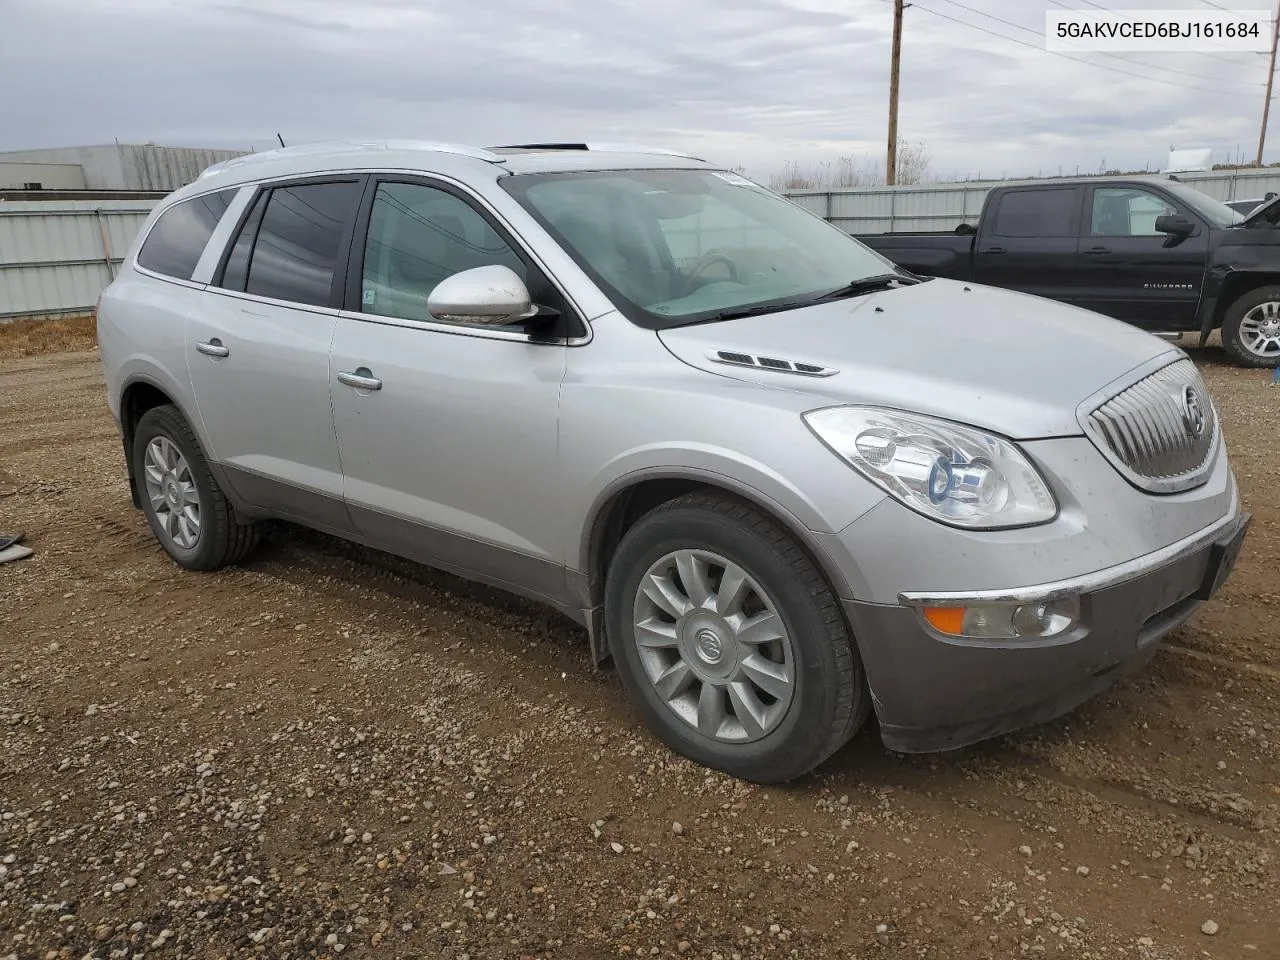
913 163
850 171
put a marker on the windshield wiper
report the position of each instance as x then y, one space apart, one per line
884 281
881 281
737 313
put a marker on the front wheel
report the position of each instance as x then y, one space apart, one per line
730 642
1251 328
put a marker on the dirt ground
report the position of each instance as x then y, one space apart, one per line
329 752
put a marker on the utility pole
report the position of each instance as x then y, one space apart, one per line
1271 75
891 164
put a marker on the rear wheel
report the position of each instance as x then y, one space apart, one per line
184 505
1251 328
730 642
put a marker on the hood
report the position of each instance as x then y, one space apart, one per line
1009 362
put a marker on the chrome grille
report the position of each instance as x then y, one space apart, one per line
1149 430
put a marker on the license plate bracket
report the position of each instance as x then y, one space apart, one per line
1222 560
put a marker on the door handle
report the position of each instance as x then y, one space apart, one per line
994 251
213 348
361 378
1097 251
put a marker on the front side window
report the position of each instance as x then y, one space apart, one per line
1127 212
418 236
296 249
1215 211
683 246
1037 213
175 244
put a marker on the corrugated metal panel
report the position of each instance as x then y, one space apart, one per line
54 255
813 202
125 166
51 288
149 167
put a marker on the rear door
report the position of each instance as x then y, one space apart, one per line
1028 241
1130 271
258 350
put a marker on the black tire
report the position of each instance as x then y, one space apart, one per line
222 540
1231 339
830 700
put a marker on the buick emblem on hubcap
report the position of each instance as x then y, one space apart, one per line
709 646
1192 412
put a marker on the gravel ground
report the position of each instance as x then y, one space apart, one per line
329 752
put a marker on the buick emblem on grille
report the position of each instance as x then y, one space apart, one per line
1192 412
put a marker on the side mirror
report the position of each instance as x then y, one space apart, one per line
493 295
1175 225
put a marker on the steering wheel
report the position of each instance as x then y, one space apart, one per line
701 264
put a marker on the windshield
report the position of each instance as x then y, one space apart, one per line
673 247
1218 214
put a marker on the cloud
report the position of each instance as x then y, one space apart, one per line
752 82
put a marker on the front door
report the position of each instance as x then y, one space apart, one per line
1129 270
258 352
447 432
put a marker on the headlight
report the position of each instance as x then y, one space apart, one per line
956 474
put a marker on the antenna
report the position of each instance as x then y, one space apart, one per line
280 138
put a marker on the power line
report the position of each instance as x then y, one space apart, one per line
1067 56
1112 56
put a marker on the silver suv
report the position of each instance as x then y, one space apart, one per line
780 482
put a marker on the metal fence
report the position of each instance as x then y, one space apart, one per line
57 256
944 206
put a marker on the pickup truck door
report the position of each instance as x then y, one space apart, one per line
1130 271
1028 241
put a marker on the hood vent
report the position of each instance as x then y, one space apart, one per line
738 359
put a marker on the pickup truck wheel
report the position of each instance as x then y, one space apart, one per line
1251 328
186 509
730 642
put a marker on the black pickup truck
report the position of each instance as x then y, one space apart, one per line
1152 251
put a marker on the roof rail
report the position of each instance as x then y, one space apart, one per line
598 148
346 146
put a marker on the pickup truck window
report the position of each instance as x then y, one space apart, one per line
1127 212
1217 213
1050 212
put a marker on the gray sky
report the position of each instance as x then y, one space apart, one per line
750 82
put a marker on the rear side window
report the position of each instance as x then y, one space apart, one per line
297 245
1037 213
236 271
175 243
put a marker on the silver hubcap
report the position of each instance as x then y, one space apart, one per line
1260 329
172 492
713 646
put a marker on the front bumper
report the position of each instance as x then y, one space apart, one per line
936 692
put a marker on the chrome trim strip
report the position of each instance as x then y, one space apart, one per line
138 268
1087 583
464 330
271 301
